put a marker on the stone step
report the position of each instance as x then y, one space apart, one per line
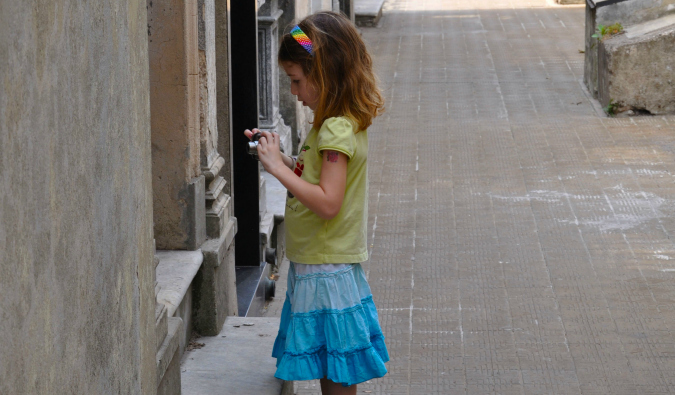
636 70
368 12
168 359
161 324
175 273
236 361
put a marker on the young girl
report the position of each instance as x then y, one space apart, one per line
329 326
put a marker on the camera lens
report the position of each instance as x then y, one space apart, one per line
252 146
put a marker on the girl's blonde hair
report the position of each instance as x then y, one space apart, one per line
339 67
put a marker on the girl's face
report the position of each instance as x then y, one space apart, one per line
300 87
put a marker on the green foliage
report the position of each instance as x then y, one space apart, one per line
611 108
603 32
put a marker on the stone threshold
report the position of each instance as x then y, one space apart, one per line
175 273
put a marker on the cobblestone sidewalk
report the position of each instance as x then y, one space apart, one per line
521 243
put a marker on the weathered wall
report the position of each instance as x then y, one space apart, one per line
223 89
174 100
626 13
76 265
636 71
207 83
634 11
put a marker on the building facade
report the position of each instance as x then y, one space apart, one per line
121 165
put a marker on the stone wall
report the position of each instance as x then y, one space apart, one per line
627 13
636 72
633 11
222 58
76 264
178 186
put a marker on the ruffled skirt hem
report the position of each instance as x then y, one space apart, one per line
345 368
343 345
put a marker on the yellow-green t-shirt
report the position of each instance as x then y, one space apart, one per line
311 239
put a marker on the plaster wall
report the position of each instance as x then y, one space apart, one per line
76 255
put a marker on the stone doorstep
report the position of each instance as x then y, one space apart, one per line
236 362
370 8
175 273
368 12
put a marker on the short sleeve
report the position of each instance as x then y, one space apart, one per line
337 134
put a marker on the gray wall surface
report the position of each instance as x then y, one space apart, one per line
635 11
76 264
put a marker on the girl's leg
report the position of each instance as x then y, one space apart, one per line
332 388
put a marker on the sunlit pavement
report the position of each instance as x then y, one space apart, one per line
521 243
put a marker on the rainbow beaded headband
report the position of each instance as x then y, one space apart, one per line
302 38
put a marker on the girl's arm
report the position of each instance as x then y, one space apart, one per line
325 199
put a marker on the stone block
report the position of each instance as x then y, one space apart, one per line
175 273
174 109
637 69
368 12
214 292
207 88
631 12
76 268
217 217
609 12
196 221
161 324
223 110
168 360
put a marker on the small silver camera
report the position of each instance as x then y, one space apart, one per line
252 146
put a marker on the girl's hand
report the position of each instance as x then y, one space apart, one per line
269 152
249 133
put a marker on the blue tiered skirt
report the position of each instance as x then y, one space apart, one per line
329 326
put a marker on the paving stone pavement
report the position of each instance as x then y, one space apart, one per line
520 242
